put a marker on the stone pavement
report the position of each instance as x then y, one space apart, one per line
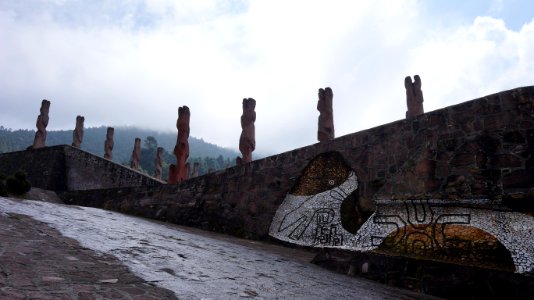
37 262
71 252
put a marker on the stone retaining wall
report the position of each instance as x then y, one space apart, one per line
481 149
64 168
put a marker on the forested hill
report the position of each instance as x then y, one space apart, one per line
210 156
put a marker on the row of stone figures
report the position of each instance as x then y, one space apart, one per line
247 141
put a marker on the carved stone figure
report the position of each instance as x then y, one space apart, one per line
136 154
414 96
108 144
196 167
247 140
325 129
42 122
172 174
159 163
181 150
77 134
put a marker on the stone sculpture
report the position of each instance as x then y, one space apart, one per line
159 163
42 121
136 154
108 144
325 129
196 167
247 140
77 134
181 150
172 174
414 96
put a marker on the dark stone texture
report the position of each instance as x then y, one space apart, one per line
247 140
42 121
45 167
325 130
61 168
77 133
450 281
414 97
392 161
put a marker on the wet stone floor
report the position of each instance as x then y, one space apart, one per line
55 251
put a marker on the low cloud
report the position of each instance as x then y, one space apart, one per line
135 62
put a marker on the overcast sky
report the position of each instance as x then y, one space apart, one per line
134 62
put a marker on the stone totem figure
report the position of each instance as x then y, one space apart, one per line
77 134
159 163
181 150
172 174
325 129
136 154
196 167
414 96
108 144
247 140
42 121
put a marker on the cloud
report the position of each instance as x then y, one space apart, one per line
134 62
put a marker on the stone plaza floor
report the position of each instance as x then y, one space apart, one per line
55 251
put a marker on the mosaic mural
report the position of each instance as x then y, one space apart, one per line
311 214
470 232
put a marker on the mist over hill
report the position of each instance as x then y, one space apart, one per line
208 155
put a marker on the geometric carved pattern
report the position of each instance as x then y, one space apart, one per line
313 220
479 232
476 232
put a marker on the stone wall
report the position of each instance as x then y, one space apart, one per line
62 168
86 171
481 149
45 167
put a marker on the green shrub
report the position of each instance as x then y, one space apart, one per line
18 184
3 186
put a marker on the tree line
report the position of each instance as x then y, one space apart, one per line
209 156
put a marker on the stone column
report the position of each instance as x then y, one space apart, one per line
414 96
136 154
247 140
42 121
196 167
325 129
181 150
172 174
77 134
108 143
159 163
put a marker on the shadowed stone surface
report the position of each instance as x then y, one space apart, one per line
77 134
247 140
136 154
414 96
159 163
325 129
42 121
64 167
180 172
108 143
